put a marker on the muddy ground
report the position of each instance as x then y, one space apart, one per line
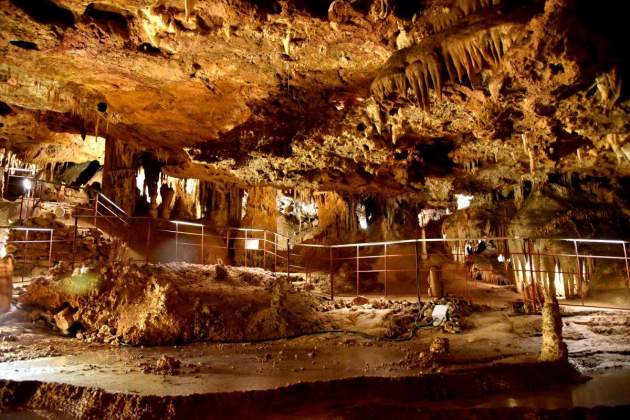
347 374
177 303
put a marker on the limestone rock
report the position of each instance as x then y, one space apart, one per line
360 300
64 320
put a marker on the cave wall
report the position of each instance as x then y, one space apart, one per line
119 174
261 210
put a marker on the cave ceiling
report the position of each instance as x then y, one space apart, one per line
422 98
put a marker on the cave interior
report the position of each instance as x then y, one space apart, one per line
221 208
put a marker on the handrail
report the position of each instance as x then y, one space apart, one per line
485 238
100 194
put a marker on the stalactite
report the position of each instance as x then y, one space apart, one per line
188 6
421 67
471 6
447 17
418 74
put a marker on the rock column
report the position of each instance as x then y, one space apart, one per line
119 174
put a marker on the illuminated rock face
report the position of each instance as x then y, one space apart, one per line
404 105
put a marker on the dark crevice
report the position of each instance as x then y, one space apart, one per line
317 8
405 9
46 12
110 22
608 21
149 49
5 109
27 45
89 170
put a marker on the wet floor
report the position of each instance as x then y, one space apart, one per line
597 340
207 369
608 388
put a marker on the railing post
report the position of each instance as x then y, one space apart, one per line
176 241
264 249
202 237
245 248
385 267
625 256
305 260
74 240
531 274
579 271
227 246
275 252
332 287
21 207
50 245
357 270
95 208
25 253
148 245
417 269
288 260
424 254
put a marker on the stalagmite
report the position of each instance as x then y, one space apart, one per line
553 348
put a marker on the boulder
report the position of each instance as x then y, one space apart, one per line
64 320
360 300
439 346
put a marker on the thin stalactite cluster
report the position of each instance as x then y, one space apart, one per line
412 72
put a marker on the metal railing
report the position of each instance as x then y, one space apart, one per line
529 263
373 267
31 191
29 257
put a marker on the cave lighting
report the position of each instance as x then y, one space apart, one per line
501 258
252 244
140 183
190 186
27 184
558 280
361 216
463 201
3 250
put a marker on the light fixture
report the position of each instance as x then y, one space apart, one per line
27 184
463 201
501 258
252 244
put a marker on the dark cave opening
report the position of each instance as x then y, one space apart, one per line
46 12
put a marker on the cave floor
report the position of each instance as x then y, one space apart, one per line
597 340
38 354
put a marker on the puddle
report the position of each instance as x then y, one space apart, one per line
610 388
